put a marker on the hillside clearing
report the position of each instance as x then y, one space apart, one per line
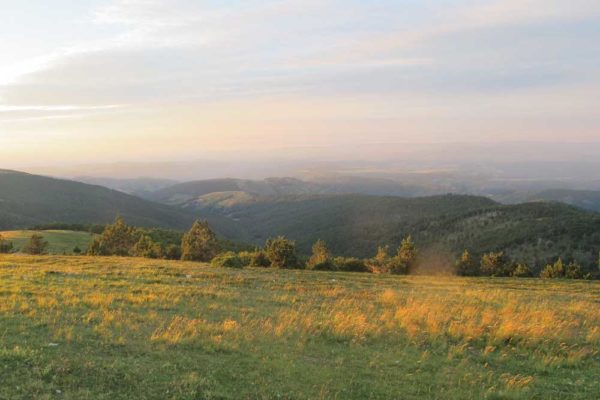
59 241
121 328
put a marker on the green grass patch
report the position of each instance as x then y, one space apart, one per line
122 328
60 242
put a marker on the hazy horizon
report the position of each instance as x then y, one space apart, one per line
138 81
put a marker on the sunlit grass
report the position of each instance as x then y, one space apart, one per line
123 328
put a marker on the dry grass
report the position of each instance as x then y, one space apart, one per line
405 337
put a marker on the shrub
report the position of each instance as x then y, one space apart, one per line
556 270
173 252
146 247
522 271
282 253
574 271
320 259
401 263
547 272
76 250
227 260
399 266
496 264
5 245
380 263
466 266
36 245
350 264
259 258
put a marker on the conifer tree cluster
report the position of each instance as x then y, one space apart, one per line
200 243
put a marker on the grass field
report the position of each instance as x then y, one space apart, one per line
59 242
111 328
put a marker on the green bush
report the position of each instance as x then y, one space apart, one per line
496 264
36 245
282 253
399 265
380 263
5 245
173 252
466 266
522 271
350 264
259 258
146 247
320 259
556 270
227 260
574 271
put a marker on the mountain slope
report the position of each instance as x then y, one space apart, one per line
586 199
187 193
27 200
141 187
355 225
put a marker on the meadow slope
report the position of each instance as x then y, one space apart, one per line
120 328
59 241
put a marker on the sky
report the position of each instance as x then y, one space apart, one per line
92 81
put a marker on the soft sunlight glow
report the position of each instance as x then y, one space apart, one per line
238 77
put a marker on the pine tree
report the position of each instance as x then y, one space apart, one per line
495 264
574 271
199 243
117 239
146 247
466 266
407 252
5 245
381 262
36 245
522 271
320 258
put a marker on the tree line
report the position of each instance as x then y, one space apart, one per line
200 243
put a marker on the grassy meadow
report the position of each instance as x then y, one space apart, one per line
123 328
59 241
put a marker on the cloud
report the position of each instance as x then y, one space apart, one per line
330 69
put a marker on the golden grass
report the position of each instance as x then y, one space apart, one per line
173 303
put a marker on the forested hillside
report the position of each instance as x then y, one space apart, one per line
586 199
355 225
27 200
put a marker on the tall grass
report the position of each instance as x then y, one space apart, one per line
117 328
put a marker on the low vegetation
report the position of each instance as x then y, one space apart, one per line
59 241
200 243
121 328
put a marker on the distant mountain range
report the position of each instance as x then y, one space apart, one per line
142 187
586 199
343 211
225 192
355 225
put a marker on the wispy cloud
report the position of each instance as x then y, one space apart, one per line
411 69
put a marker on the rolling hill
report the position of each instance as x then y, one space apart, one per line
27 200
443 226
141 187
188 193
586 199
59 241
